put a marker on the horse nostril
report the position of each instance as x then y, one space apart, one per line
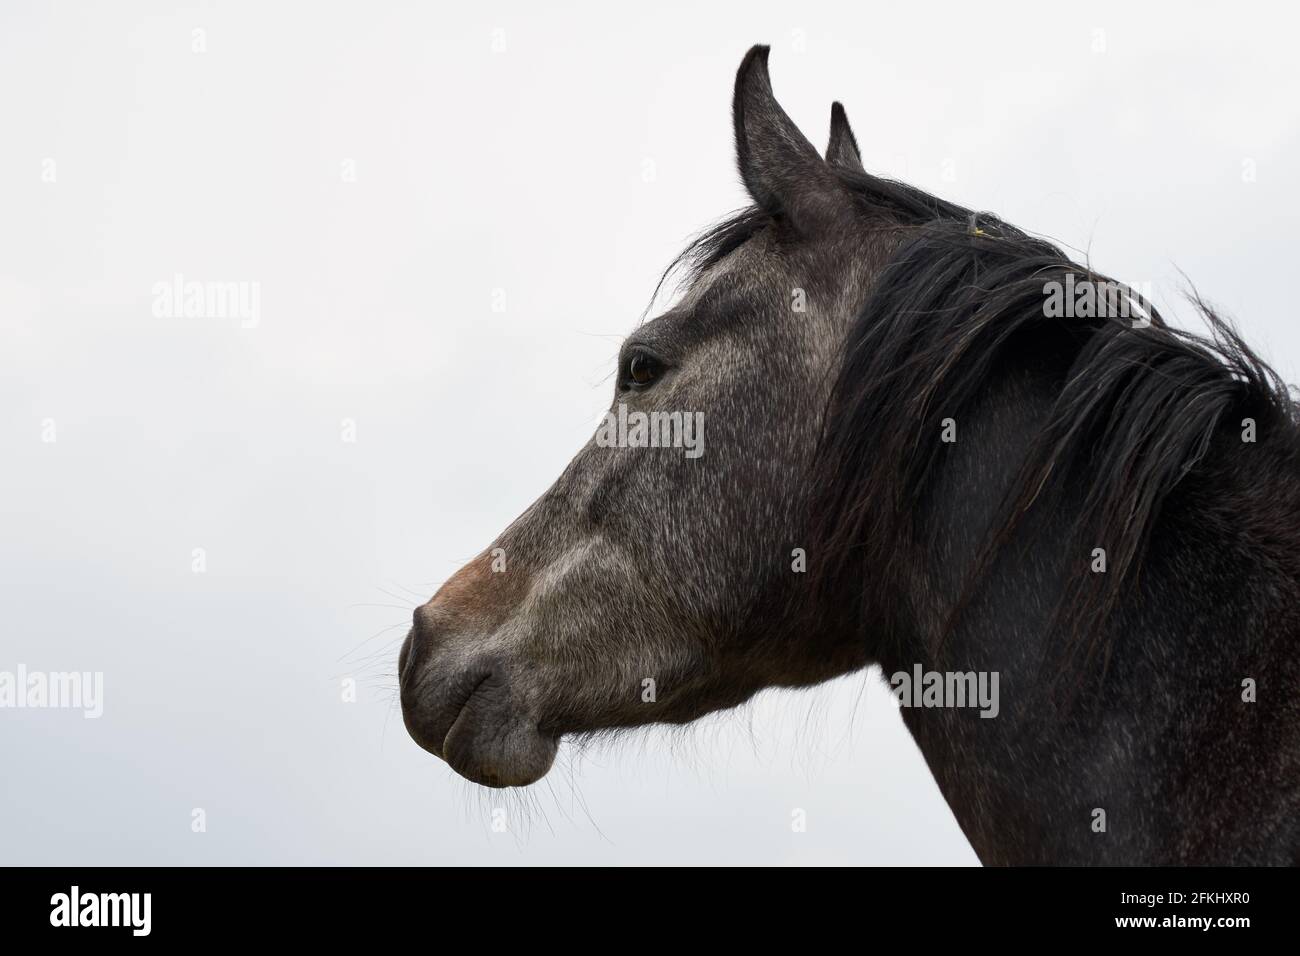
429 627
428 622
404 655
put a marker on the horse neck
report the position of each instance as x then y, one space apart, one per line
1152 756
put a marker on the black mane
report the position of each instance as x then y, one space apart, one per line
1134 414
905 204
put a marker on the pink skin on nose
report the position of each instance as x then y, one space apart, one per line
477 591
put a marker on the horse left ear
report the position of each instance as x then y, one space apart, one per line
783 172
842 151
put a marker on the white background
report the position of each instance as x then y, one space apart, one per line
566 170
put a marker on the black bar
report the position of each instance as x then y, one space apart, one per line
210 905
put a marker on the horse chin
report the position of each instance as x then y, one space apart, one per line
499 752
475 724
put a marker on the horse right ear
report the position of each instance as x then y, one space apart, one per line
783 172
842 151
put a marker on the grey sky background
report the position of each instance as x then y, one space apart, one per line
560 156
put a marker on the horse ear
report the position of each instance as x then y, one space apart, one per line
782 170
842 151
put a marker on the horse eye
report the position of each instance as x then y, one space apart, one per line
642 370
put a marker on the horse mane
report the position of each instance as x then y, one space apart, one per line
1136 409
905 204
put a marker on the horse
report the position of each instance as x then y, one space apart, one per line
916 459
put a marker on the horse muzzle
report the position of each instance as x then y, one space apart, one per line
461 701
